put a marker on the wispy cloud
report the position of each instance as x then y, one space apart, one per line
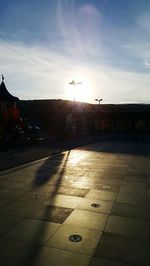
32 70
146 63
143 21
89 9
80 28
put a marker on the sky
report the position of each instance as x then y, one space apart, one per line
104 45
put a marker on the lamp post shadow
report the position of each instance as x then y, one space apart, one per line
39 181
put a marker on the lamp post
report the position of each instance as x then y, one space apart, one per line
74 84
73 111
99 100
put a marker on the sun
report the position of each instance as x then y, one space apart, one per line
79 89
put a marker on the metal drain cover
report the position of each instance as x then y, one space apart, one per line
35 197
75 238
95 205
108 187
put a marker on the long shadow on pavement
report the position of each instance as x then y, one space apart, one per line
53 166
50 167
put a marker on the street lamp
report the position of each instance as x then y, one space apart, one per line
99 100
73 111
74 84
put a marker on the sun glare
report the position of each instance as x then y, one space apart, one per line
79 90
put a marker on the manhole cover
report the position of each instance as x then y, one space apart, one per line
35 197
75 238
107 187
95 205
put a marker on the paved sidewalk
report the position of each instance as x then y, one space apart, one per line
15 157
86 206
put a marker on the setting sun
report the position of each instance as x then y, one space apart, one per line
79 89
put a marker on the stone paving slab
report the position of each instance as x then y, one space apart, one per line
124 249
10 194
101 195
87 219
133 189
36 196
8 222
56 257
71 191
50 213
64 201
86 246
33 230
132 198
21 209
128 226
130 210
107 186
99 206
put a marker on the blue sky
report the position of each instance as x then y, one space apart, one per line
105 44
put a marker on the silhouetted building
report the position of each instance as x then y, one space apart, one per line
9 113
